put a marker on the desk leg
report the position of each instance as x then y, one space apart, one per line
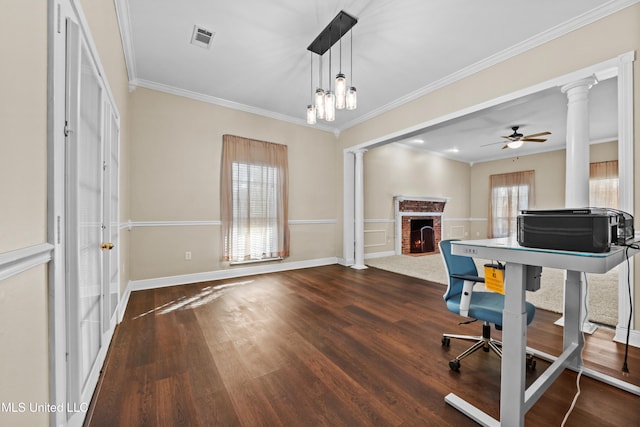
514 342
573 313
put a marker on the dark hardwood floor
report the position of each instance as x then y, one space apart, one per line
327 346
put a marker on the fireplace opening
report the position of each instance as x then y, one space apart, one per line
422 237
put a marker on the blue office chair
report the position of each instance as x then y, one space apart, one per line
484 306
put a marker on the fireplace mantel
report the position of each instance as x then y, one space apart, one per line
421 198
408 208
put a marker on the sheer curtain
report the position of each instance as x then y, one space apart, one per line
254 199
603 184
509 193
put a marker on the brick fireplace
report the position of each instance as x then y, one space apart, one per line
419 224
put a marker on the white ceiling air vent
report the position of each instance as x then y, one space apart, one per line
202 37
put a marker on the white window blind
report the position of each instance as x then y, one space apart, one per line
255 206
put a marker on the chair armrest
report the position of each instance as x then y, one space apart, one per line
469 277
467 291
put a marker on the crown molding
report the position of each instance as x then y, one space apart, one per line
172 90
124 22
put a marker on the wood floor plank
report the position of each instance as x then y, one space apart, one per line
327 346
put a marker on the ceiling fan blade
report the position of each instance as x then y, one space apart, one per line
533 135
510 138
533 140
492 143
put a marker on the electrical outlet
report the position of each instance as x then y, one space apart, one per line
187 256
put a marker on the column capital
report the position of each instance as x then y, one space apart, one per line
359 151
586 83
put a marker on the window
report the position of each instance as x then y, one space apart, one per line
603 184
254 200
509 193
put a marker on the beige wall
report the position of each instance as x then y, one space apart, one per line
398 170
23 120
550 174
175 176
23 211
393 170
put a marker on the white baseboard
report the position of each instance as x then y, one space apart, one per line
124 301
621 336
161 282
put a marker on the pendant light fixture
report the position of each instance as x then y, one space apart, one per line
329 99
319 96
311 108
341 83
351 96
325 102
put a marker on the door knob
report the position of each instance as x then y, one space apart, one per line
108 246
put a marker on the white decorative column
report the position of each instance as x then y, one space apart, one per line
359 211
348 233
577 165
577 154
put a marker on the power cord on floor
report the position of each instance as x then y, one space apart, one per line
583 320
625 367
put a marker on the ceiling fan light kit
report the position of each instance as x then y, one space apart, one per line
517 140
344 96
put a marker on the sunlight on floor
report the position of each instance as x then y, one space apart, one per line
206 295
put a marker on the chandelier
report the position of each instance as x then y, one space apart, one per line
339 95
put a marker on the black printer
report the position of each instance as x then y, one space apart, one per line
582 230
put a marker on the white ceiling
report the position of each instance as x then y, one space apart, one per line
478 136
402 49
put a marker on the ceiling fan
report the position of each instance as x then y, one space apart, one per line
516 139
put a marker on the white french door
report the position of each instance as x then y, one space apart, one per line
91 194
111 232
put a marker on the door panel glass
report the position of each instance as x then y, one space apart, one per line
89 204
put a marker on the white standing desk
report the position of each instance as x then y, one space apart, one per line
515 399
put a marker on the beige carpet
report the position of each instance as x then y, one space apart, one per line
603 288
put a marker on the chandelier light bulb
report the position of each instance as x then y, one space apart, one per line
329 106
311 114
319 101
351 98
341 91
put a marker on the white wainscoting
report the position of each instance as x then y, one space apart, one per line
132 224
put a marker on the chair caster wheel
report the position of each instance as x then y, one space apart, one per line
454 365
446 341
531 363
